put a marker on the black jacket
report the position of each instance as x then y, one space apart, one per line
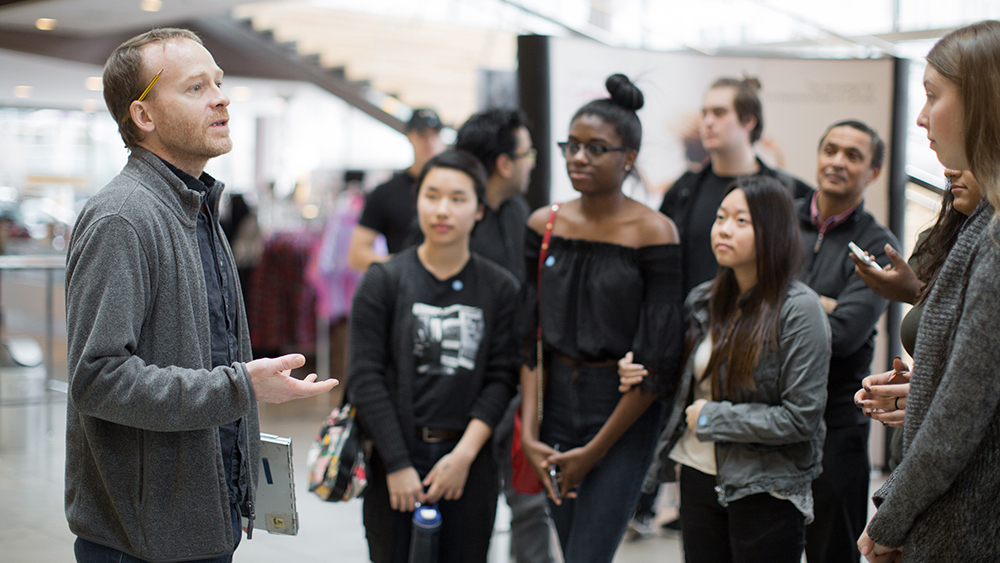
829 270
679 200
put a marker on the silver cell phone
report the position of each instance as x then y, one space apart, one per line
861 255
554 477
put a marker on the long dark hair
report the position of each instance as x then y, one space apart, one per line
930 253
744 326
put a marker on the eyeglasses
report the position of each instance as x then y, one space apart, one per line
592 150
150 87
530 153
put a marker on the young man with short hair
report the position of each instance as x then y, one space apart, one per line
391 209
732 120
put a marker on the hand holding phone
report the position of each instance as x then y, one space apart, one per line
554 476
862 256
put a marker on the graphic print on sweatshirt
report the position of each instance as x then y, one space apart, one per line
446 339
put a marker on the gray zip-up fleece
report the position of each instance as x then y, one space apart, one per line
144 470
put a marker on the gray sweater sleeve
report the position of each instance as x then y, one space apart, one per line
804 360
110 292
960 412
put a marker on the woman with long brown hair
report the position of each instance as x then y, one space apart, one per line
750 441
940 504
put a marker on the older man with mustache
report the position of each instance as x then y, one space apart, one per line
849 160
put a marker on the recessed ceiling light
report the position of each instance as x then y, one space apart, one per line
22 91
45 24
390 105
94 83
310 211
151 5
90 106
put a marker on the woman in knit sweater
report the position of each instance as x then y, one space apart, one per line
432 368
883 395
940 504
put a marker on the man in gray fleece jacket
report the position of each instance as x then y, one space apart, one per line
162 433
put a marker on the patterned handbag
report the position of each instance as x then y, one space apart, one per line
338 465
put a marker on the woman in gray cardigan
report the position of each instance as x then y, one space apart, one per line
750 441
941 504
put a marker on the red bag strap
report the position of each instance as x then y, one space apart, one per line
539 360
542 255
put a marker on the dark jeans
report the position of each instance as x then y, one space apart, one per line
754 529
466 523
578 402
841 497
90 552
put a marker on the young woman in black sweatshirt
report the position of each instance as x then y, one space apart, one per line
432 368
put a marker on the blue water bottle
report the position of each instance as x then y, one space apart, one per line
424 538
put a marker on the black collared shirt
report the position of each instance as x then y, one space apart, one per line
221 283
499 236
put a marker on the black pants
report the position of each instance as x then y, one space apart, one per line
466 523
757 528
841 497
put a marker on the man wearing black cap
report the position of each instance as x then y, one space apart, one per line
391 209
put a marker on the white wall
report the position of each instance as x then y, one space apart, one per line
801 98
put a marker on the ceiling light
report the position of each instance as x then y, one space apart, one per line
390 105
240 93
310 211
22 91
93 83
90 106
151 5
45 24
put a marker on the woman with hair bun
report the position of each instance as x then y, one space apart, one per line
610 286
940 504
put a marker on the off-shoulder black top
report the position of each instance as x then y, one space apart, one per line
601 300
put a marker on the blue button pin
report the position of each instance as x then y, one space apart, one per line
457 285
550 261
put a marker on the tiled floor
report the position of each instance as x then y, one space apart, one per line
33 528
32 457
